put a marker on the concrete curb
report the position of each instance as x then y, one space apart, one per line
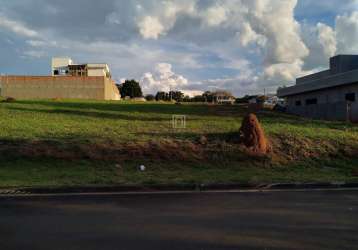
175 188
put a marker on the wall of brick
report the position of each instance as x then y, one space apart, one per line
63 87
111 91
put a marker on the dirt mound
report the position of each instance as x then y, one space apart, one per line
253 136
10 99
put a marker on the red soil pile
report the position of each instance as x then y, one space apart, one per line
10 99
253 135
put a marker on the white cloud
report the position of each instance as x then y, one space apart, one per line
192 93
247 35
268 24
321 41
327 38
41 43
275 20
150 27
240 45
113 18
34 53
36 43
160 20
163 79
271 26
238 85
284 72
325 41
215 15
16 27
347 33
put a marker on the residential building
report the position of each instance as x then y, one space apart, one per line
329 94
68 81
66 67
223 97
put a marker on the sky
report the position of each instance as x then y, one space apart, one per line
242 46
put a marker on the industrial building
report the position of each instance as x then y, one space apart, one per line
68 81
329 95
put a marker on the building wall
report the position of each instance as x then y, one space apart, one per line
313 77
331 104
96 72
343 63
64 87
111 91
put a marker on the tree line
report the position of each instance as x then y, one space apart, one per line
132 89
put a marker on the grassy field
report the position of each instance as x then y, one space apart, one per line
86 142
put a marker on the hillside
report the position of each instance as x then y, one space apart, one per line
82 142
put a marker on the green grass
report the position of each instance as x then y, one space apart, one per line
80 120
105 120
50 172
75 122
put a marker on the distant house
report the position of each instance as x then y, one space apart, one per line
223 97
272 100
329 94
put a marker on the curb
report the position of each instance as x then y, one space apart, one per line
176 188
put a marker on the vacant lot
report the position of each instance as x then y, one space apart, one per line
82 142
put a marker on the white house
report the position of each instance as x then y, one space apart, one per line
64 66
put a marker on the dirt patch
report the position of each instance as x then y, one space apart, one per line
9 99
164 150
286 149
292 149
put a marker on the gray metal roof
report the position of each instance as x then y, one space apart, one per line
327 82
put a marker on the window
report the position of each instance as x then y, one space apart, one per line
55 72
351 97
312 101
298 103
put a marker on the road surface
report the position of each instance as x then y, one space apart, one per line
263 220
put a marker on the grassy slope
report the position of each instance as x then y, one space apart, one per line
82 122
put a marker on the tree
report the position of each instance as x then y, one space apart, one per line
150 97
186 99
176 95
198 98
160 96
131 88
208 96
244 99
172 95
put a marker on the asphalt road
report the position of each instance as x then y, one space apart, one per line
269 220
